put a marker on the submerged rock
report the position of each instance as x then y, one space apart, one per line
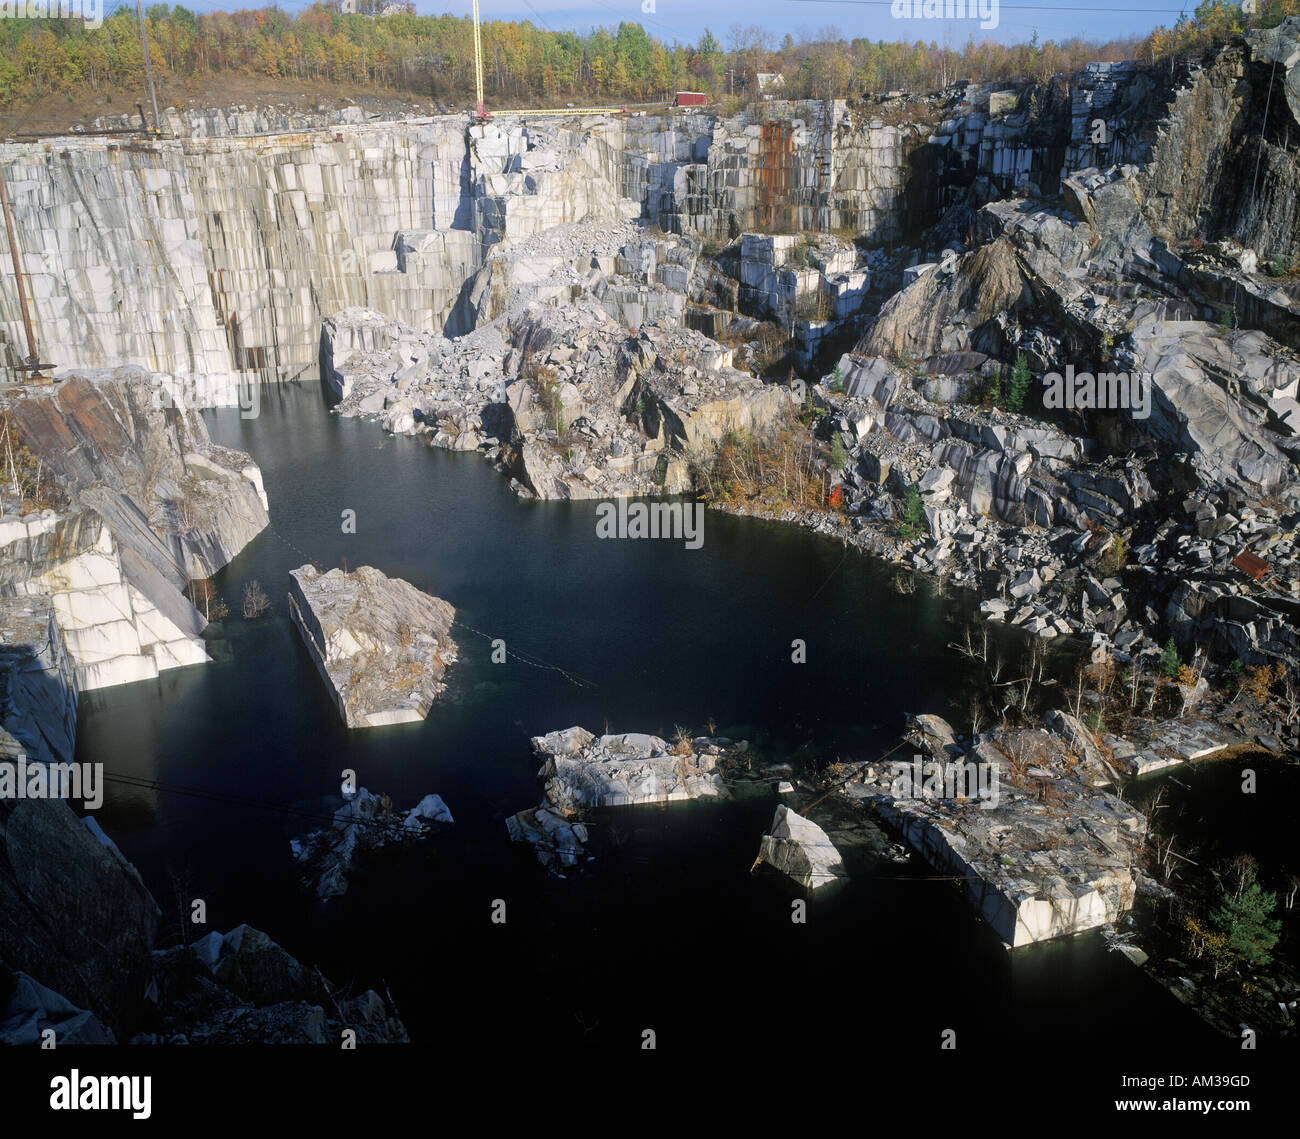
381 645
363 824
557 842
801 850
582 771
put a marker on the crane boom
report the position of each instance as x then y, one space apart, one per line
478 65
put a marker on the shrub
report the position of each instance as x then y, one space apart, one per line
838 457
28 476
993 390
1236 673
780 464
1259 679
1114 559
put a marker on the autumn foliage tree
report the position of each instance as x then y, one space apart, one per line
434 56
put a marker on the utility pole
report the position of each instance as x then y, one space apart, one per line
148 67
32 356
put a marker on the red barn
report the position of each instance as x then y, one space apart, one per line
689 99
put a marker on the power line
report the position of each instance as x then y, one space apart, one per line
231 800
523 658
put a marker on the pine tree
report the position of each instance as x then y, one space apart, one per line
913 514
1018 388
1169 660
1244 917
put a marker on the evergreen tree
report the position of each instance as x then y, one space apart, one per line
1018 387
1169 660
913 514
1244 918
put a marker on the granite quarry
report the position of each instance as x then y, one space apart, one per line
591 303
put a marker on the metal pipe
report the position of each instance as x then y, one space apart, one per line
148 67
478 61
32 356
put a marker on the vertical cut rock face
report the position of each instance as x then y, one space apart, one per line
38 687
152 503
382 646
217 257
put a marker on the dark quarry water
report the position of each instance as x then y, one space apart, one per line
665 929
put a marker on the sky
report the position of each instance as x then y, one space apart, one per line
685 20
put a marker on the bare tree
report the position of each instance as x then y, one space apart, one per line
1240 870
204 597
1291 695
256 602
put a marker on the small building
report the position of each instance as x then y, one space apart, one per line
770 80
1252 566
689 99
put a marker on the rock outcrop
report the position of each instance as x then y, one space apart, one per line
362 825
581 771
234 245
243 988
28 1011
382 646
149 504
74 914
801 850
563 400
557 841
1039 849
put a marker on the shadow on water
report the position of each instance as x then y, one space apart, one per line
665 928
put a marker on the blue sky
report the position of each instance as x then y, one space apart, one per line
685 20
